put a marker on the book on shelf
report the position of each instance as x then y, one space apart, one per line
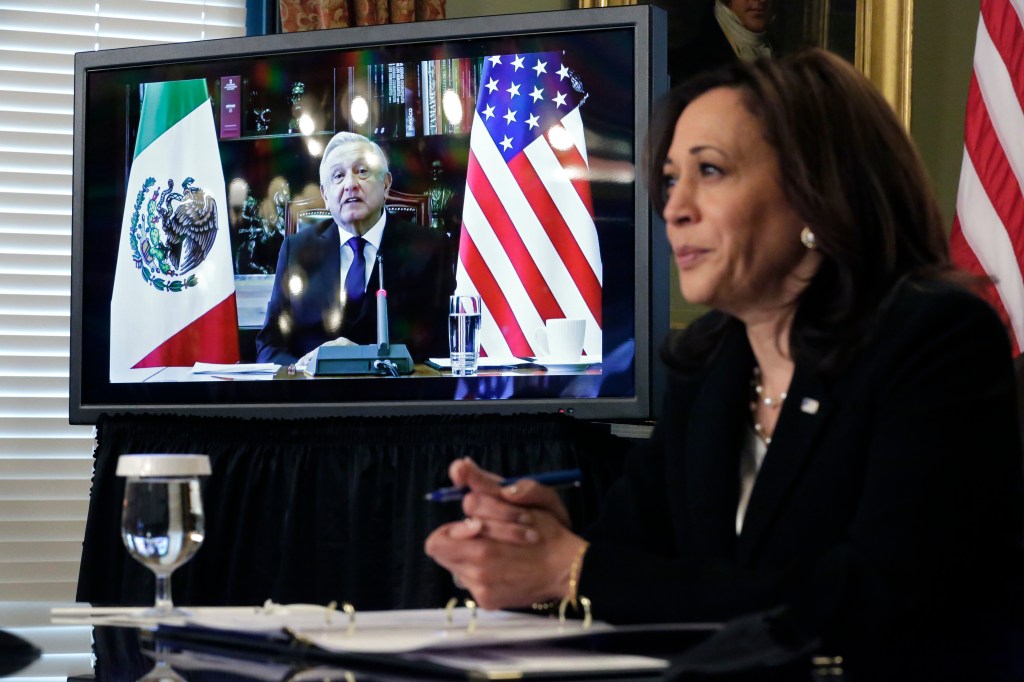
438 77
230 107
405 100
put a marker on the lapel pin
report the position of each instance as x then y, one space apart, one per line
809 406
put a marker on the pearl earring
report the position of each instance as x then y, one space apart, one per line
807 238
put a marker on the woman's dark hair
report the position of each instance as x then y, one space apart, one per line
850 172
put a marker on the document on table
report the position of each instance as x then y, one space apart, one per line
489 362
330 629
469 641
537 660
236 368
399 631
485 662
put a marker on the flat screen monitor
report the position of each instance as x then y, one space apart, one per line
514 145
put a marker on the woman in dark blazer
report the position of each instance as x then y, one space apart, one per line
839 438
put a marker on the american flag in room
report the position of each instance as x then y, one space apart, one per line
988 232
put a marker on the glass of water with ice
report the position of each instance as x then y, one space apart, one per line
464 314
162 516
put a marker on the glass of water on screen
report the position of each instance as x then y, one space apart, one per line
464 315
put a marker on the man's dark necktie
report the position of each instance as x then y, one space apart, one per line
355 280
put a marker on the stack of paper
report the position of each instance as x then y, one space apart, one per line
472 642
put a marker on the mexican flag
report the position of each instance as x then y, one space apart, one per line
173 302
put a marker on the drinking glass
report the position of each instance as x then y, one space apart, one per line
162 670
162 516
464 314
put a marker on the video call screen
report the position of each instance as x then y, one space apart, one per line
519 153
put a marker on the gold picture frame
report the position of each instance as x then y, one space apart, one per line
885 41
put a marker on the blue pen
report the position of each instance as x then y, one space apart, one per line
555 479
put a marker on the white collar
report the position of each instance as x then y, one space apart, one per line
747 44
373 235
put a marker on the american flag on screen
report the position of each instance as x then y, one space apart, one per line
528 245
988 233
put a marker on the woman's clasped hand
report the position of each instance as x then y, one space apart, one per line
514 547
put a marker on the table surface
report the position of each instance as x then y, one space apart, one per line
82 652
67 649
420 370
76 653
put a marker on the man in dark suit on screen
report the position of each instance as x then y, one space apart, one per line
328 274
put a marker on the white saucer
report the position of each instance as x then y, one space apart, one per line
558 363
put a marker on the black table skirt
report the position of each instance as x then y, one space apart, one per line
315 510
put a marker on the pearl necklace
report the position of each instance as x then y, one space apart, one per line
760 396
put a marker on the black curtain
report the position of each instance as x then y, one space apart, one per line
315 510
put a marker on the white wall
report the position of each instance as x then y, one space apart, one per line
944 32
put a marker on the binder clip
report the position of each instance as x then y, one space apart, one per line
584 602
449 613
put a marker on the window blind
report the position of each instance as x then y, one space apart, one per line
45 463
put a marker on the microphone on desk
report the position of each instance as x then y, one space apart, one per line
383 362
382 358
383 343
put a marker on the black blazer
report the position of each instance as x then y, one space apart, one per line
417 276
890 493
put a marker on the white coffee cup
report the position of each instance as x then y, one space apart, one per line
560 340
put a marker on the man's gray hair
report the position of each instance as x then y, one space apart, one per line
346 137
